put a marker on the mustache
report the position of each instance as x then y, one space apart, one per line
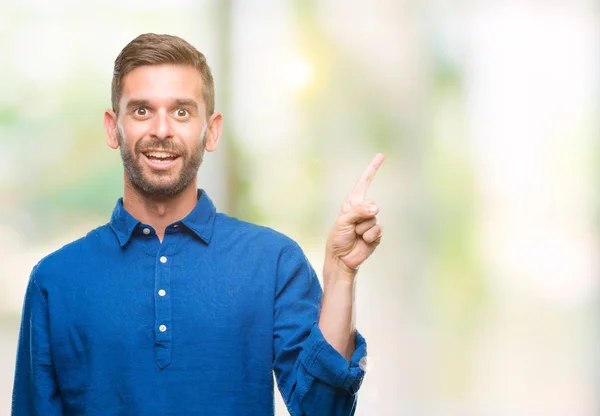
160 145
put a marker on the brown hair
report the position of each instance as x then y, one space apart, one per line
153 49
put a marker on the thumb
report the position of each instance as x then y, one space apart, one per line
358 213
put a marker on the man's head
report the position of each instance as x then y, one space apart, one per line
152 49
163 115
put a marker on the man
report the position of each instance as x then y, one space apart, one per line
174 309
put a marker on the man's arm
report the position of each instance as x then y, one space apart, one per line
352 240
313 378
317 351
35 391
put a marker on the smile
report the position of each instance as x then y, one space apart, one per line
160 160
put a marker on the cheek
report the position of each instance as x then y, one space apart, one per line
185 138
189 134
132 134
135 131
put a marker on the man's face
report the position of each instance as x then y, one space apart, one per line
161 128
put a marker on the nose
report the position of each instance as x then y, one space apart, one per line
161 127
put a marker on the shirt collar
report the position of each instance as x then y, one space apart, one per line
200 220
122 223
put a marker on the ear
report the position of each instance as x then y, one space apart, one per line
110 124
215 126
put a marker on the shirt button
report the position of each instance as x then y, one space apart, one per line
162 328
175 225
362 363
162 292
163 259
146 231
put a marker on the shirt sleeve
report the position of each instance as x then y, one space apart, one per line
35 390
313 378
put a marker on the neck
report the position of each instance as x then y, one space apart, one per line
159 212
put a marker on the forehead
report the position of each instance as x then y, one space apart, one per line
162 82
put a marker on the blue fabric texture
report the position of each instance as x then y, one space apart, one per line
118 323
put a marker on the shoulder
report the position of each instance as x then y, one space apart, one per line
272 250
248 234
235 227
70 257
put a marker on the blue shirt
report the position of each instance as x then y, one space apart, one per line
118 323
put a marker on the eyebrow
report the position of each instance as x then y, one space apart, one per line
136 103
186 103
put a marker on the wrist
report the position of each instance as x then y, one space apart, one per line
335 269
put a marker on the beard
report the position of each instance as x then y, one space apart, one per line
160 183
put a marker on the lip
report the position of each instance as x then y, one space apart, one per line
160 166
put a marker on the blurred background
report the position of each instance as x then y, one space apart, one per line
483 297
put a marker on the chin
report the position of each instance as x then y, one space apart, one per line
165 189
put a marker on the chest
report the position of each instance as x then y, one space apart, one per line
158 299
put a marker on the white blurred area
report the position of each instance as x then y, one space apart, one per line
483 297
533 102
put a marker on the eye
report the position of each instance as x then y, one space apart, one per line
182 113
142 112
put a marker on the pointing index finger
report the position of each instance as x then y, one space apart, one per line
360 189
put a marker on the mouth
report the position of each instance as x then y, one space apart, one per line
160 160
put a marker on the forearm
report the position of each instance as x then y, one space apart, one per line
337 318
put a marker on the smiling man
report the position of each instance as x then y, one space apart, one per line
174 309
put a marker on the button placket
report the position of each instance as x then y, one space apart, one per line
162 304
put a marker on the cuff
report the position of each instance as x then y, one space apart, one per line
324 363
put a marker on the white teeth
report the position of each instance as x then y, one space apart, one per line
160 155
164 161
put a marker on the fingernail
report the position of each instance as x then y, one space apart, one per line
370 209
